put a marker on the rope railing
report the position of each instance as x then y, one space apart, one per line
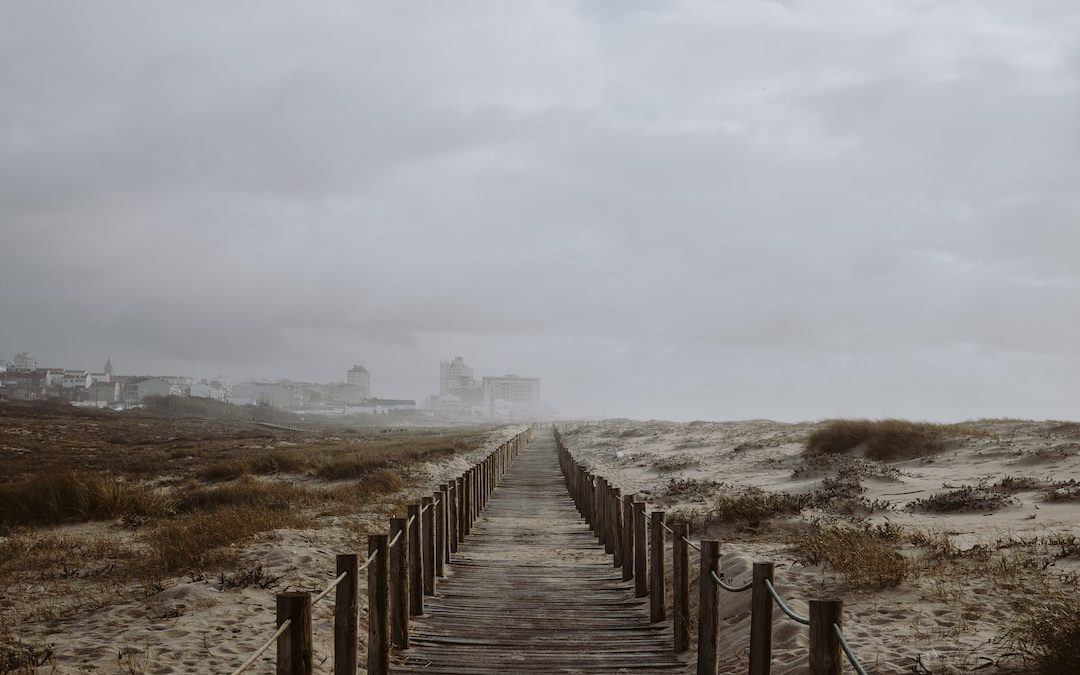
847 651
730 589
407 573
266 645
332 586
628 530
798 618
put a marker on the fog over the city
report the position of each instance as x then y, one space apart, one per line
664 209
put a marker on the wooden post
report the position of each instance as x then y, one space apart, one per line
467 504
442 542
416 562
617 526
378 642
399 583
451 519
680 576
761 620
628 537
427 535
294 653
641 552
346 615
825 656
459 512
708 608
657 578
605 527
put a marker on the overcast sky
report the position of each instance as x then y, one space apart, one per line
678 210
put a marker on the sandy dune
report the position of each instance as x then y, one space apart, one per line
949 617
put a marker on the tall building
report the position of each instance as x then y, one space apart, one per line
512 389
108 367
359 377
455 376
25 361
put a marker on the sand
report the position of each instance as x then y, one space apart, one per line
199 626
949 618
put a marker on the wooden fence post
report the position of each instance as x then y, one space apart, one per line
761 620
628 537
658 579
399 583
641 552
427 535
680 577
294 653
466 504
378 643
442 528
346 615
617 526
459 511
451 518
825 657
708 608
416 562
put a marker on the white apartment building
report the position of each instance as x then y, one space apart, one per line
359 377
25 361
511 389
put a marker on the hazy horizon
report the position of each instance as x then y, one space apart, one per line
688 210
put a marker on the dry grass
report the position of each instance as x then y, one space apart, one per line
207 541
884 439
1047 634
865 558
49 498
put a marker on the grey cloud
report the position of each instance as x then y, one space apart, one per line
666 210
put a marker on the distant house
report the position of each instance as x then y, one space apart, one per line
25 361
156 386
214 390
75 379
104 392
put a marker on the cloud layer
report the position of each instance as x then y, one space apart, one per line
688 210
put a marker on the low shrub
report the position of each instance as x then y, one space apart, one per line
1064 491
967 498
865 558
752 505
1047 634
882 440
676 462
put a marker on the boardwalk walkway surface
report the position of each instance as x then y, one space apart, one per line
533 592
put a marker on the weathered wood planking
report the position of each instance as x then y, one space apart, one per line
531 591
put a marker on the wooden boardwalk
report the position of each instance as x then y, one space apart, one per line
531 591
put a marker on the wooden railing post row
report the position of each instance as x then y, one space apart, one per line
708 608
825 656
761 620
399 582
378 605
294 651
657 577
628 537
346 615
442 529
641 552
416 561
427 535
459 513
680 578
